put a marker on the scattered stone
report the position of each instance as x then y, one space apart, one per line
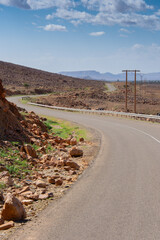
7 180
30 151
13 209
58 182
42 149
25 189
32 196
67 168
41 184
76 152
26 193
43 196
73 142
81 139
51 180
7 225
27 202
50 195
73 164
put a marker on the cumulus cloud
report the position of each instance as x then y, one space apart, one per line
97 34
69 15
16 3
54 27
117 5
38 4
125 13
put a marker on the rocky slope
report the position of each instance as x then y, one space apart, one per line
10 126
23 80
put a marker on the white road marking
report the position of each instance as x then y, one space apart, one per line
147 134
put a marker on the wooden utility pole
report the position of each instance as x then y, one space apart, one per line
135 80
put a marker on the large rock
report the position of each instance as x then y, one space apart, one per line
76 152
13 209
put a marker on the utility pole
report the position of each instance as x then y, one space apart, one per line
135 80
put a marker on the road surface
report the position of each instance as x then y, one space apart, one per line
118 197
111 87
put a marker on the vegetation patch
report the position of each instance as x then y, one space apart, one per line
10 158
65 129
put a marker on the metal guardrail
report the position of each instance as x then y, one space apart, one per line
151 118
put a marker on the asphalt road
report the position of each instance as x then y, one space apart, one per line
118 197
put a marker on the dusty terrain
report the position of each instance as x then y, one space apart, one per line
78 93
23 80
148 98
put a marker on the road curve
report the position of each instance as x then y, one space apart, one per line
118 197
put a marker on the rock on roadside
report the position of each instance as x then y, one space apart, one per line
13 209
76 152
6 226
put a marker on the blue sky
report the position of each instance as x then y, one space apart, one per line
74 35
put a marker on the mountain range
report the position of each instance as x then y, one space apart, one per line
95 75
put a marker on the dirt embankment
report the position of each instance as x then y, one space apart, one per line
10 126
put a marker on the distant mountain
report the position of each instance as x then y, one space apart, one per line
94 75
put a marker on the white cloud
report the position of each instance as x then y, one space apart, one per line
70 15
125 13
97 34
137 46
16 3
54 27
112 12
117 5
38 4
124 30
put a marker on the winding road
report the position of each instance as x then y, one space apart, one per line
118 197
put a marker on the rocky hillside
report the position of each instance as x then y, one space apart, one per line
10 126
23 80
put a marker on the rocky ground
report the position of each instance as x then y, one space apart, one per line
36 165
78 93
148 98
23 80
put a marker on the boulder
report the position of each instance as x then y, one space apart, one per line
76 152
13 209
